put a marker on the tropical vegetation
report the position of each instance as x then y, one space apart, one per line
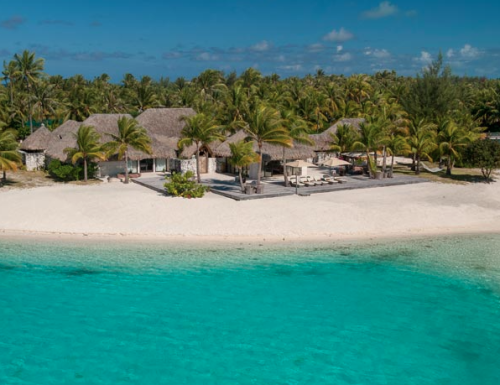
130 135
88 148
183 185
434 115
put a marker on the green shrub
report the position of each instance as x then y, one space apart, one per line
184 185
60 171
68 172
484 154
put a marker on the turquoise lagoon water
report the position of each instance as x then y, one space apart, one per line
414 312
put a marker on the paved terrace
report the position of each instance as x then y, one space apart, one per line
225 185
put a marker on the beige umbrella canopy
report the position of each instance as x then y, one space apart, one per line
300 164
335 162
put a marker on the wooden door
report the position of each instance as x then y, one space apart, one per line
203 164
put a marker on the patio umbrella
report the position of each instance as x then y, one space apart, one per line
335 162
299 164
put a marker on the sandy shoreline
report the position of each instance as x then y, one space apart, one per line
117 212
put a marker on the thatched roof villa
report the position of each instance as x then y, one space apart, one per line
271 155
33 148
164 126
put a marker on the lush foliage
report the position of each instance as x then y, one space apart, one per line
184 185
199 130
130 135
9 157
69 172
436 113
242 155
87 148
484 154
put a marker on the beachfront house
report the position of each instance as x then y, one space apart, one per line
33 148
272 156
164 126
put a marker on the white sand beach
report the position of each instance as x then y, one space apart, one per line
116 210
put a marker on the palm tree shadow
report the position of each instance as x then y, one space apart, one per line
468 178
8 182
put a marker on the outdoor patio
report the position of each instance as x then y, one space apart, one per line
225 185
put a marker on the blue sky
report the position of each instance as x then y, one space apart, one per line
182 38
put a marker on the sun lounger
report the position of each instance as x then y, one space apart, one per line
341 180
308 182
295 183
329 180
319 182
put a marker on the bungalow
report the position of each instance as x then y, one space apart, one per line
273 157
164 126
34 147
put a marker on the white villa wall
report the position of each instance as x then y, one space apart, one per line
183 165
212 165
34 160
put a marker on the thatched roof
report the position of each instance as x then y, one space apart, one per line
162 146
38 140
69 127
105 124
269 151
64 137
324 140
164 121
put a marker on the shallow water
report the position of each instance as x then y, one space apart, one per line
414 312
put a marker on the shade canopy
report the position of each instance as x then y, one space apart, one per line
335 162
300 163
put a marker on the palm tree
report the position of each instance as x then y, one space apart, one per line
130 134
452 139
345 137
200 129
266 126
422 143
368 140
396 144
416 129
9 157
30 70
9 75
87 147
242 155
297 131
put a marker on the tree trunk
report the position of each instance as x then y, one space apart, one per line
30 115
284 167
368 163
126 167
449 165
11 93
4 176
384 163
85 170
392 166
417 169
31 119
240 173
413 163
260 164
198 176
